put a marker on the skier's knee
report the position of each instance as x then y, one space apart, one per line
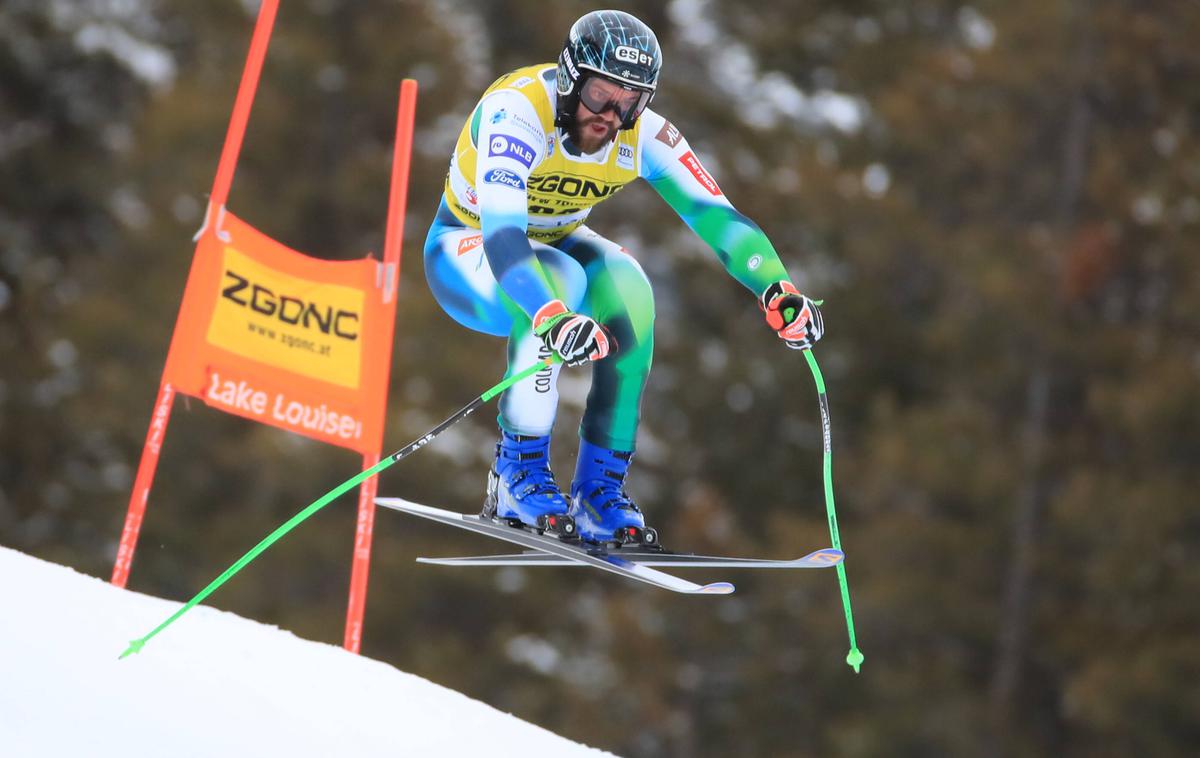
637 296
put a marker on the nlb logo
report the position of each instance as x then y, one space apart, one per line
511 147
503 177
290 310
633 55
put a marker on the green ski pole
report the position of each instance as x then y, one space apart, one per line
136 645
854 658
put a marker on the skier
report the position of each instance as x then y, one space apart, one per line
509 254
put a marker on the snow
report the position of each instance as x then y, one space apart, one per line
213 684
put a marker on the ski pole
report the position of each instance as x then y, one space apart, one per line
854 658
136 645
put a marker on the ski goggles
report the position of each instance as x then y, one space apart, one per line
599 95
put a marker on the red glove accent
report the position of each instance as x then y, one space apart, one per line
574 337
794 317
548 312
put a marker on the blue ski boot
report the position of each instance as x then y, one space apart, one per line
521 488
602 510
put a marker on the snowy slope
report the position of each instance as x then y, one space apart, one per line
213 684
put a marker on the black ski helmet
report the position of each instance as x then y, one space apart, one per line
613 45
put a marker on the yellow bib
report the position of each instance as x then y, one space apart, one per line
562 189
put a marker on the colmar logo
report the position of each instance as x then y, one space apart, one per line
690 160
469 243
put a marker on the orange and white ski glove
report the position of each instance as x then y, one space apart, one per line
574 337
794 317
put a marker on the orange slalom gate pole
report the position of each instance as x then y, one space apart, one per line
361 565
166 393
393 241
141 486
241 105
400 163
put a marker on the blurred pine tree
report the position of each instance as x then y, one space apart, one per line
997 202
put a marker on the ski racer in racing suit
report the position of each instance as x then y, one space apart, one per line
509 254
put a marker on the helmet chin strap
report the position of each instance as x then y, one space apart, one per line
564 109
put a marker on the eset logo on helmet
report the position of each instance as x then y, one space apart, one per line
633 55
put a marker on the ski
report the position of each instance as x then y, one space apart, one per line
573 552
826 558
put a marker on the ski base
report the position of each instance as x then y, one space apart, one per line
637 562
825 558
574 552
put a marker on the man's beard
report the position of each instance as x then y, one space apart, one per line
585 140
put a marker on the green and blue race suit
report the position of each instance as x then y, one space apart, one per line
510 236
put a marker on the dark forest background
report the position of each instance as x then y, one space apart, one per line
999 203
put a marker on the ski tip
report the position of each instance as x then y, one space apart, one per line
825 557
717 588
398 503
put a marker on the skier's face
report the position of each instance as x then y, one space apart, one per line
593 130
